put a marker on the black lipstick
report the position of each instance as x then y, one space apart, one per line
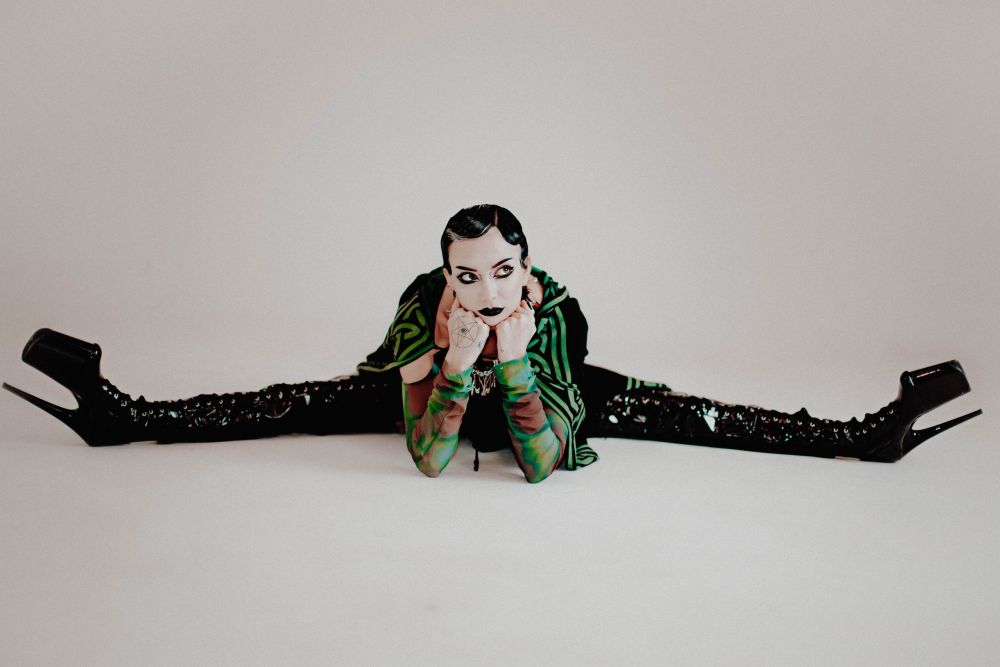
490 312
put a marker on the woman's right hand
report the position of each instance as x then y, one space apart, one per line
467 334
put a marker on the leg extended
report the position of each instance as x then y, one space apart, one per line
886 435
109 416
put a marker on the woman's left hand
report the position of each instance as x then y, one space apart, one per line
514 333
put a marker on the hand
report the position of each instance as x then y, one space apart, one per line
515 332
467 334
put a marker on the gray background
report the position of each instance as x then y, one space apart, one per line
778 203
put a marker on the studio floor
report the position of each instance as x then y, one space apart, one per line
335 550
784 203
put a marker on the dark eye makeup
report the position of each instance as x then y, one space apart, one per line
472 276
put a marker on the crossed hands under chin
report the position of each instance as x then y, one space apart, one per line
468 333
515 332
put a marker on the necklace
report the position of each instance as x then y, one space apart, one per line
483 381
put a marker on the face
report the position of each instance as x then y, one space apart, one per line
487 275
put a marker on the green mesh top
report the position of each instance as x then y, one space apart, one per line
556 352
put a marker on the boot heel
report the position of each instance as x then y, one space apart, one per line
906 441
917 436
69 417
104 415
75 419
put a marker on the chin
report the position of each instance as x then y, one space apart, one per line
495 319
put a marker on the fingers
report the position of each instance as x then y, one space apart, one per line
523 310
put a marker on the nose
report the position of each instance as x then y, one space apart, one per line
491 292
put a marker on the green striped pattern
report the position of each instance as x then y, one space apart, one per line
632 383
548 352
409 337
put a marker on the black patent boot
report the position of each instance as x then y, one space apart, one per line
348 404
108 416
885 436
105 416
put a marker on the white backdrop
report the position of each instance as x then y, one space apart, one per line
780 203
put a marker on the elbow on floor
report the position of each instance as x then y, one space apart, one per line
427 468
535 477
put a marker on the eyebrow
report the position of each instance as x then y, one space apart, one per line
465 268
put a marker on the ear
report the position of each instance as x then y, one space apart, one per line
527 269
447 277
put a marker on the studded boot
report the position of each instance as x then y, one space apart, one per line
886 436
108 416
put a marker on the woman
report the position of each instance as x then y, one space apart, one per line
488 347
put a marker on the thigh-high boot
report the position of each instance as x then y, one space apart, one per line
657 413
109 416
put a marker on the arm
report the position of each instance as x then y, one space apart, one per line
434 406
433 409
537 434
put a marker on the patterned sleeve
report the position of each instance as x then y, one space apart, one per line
410 334
433 409
538 434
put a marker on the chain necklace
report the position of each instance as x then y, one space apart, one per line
483 381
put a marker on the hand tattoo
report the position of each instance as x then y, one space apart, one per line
465 332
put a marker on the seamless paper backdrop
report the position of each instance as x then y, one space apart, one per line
778 203
741 195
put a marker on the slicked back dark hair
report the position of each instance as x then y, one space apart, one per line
473 222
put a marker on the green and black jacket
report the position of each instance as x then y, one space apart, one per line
556 351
